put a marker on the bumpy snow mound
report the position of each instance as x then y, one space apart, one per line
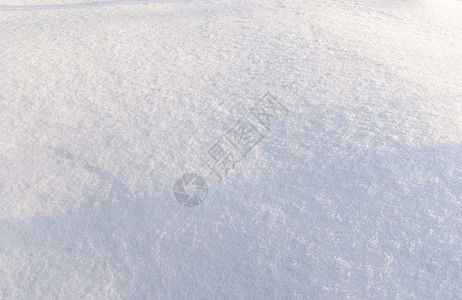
354 192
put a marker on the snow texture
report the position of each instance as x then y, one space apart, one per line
355 193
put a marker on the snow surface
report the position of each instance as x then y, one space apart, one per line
356 193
